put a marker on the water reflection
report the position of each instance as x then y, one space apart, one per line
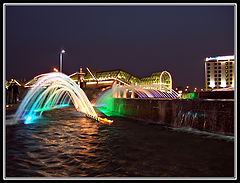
64 144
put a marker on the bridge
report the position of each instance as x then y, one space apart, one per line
158 85
121 77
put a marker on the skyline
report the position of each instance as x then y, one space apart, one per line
139 39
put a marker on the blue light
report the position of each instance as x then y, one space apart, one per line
101 105
29 120
62 105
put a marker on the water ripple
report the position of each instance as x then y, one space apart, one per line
64 144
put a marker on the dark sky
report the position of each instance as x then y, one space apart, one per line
138 39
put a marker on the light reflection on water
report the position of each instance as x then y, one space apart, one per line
64 144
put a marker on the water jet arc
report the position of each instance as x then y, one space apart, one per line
48 91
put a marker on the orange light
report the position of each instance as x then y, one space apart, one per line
104 120
55 69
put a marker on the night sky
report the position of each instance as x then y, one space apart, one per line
138 39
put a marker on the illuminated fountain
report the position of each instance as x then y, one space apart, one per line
53 90
105 102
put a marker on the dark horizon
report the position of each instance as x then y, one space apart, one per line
139 39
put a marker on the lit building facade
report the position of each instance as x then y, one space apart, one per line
219 72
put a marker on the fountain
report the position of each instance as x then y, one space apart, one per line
105 102
50 91
164 107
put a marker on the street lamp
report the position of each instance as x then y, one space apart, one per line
61 53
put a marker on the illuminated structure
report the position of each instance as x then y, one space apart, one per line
219 72
163 79
121 77
78 77
107 79
7 84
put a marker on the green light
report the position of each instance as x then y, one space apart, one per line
189 95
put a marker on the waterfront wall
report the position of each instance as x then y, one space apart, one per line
208 115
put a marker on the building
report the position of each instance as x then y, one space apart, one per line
219 72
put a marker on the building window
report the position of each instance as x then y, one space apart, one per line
219 63
219 79
219 75
230 83
227 83
219 67
215 71
208 83
215 83
226 63
219 83
215 67
208 79
215 63
230 70
230 74
208 75
226 67
226 75
230 78
208 68
231 63
219 71
215 75
208 71
230 67
226 71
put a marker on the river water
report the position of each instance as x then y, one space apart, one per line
62 143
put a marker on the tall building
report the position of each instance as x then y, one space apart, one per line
219 72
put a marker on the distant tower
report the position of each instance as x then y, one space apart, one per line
81 78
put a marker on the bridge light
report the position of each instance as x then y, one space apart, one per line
55 69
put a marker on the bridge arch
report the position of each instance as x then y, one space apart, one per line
166 80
